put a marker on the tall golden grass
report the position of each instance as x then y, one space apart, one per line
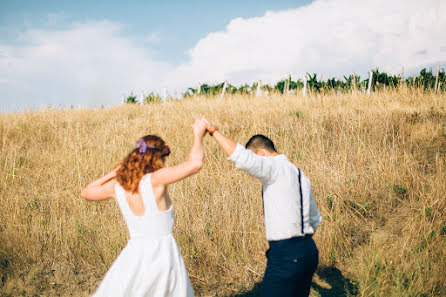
377 165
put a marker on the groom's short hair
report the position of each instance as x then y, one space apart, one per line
260 141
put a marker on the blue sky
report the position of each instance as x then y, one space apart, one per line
92 53
168 28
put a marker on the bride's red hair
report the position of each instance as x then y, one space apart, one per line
137 164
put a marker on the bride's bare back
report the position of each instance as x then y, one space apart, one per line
136 204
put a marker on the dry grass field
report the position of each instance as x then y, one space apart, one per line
377 165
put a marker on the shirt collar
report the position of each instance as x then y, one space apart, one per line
281 156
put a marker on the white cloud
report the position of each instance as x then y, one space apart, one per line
88 64
327 37
93 63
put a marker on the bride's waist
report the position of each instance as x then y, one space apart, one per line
150 234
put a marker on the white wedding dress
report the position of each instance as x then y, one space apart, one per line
151 264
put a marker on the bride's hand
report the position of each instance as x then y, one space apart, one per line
199 127
208 125
115 170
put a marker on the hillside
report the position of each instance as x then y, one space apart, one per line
377 165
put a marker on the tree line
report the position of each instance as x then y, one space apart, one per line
426 80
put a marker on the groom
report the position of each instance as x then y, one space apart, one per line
290 213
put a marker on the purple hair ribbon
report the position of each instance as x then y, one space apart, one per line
142 146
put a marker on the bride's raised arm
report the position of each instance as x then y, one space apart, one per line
101 188
192 165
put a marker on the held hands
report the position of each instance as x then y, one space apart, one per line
200 127
210 128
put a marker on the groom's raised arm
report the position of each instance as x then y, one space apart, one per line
227 144
244 159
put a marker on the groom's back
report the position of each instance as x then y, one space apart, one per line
282 200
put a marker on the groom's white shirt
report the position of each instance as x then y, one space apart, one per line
281 194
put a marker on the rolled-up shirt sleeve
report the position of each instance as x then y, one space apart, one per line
257 166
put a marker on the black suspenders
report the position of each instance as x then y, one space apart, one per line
301 204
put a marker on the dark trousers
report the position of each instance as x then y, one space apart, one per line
290 266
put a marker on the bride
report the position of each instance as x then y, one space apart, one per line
151 263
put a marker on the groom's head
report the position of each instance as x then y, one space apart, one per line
261 145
